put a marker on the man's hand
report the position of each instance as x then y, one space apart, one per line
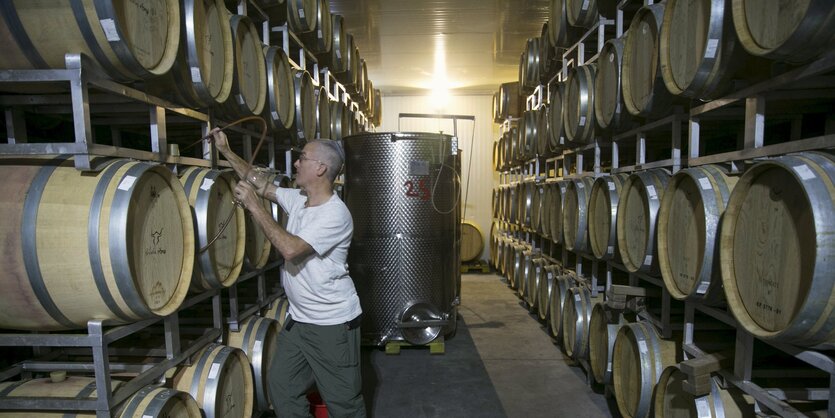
245 193
220 140
258 180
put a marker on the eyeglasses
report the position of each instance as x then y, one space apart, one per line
303 157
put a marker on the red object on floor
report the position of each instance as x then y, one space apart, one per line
317 406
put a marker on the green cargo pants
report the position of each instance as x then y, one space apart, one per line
331 354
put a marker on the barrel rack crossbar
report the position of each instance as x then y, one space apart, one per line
573 162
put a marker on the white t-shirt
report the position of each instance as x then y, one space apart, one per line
318 287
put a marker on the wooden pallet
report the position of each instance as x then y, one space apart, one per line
477 266
435 347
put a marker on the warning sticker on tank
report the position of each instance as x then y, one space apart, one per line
418 168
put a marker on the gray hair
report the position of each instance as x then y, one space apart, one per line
332 155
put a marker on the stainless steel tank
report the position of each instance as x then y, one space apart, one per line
403 191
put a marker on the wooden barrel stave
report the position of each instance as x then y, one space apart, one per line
556 128
545 210
278 310
510 101
556 211
603 329
304 126
546 282
249 75
323 114
777 289
536 207
151 402
688 231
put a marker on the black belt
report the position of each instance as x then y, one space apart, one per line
352 324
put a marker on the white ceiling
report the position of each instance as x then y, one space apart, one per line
413 45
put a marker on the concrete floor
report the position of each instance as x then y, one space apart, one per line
501 363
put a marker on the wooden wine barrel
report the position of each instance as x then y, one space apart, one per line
335 58
609 110
556 211
644 93
510 100
323 113
603 329
578 110
699 50
536 207
210 196
257 337
778 257
249 74
351 62
547 56
304 127
561 33
532 294
688 232
603 216
575 218
556 306
513 204
302 15
527 271
546 282
220 380
339 120
639 358
472 241
545 209
529 66
540 118
789 31
497 115
280 109
556 128
202 72
576 316
672 400
115 245
257 246
129 40
278 310
582 13
531 125
320 40
526 191
637 220
147 402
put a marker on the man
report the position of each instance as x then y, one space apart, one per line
321 337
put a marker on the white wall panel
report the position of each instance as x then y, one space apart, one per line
476 145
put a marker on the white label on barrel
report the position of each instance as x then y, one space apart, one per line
213 371
642 346
705 183
611 57
648 260
127 183
207 184
580 185
195 75
804 172
702 407
577 297
147 416
319 32
610 250
275 115
301 13
582 121
562 190
110 31
611 186
256 346
240 98
585 5
702 288
710 49
651 192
